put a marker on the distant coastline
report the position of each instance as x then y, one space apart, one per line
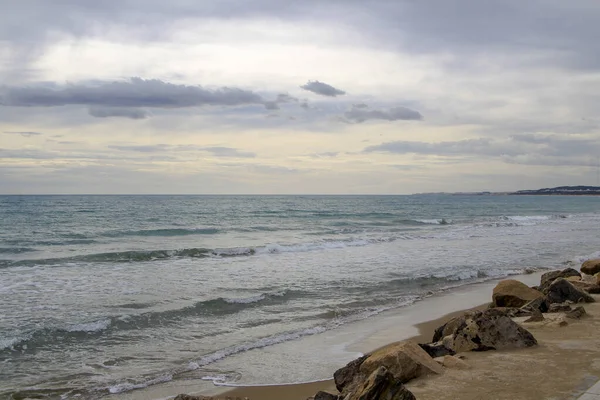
556 191
563 190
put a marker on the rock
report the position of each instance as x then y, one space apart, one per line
589 287
573 278
436 349
325 396
539 304
536 317
345 375
452 362
381 385
591 267
484 330
559 307
561 290
551 276
512 293
576 313
189 397
405 360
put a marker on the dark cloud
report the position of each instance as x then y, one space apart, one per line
271 105
26 134
322 89
132 93
106 112
362 114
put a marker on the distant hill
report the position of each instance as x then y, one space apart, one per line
563 190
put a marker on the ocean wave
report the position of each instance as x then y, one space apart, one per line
158 255
16 250
129 386
163 232
258 344
28 342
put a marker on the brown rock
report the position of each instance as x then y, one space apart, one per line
561 290
452 362
381 385
436 349
325 396
551 276
189 397
589 287
345 375
405 360
512 293
484 330
538 304
591 267
576 313
558 307
573 278
536 317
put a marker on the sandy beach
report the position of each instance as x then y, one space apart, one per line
562 366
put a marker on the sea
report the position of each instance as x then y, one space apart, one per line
102 296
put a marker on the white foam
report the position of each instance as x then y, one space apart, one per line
9 343
127 386
581 259
247 300
95 326
433 221
264 342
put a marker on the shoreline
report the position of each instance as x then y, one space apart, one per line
414 322
301 391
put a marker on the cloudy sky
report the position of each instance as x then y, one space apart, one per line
270 96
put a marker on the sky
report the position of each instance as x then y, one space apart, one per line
279 97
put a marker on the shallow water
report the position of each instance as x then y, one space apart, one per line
108 294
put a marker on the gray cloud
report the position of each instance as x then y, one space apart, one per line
522 149
217 151
106 112
322 89
228 152
26 134
132 93
153 148
362 114
326 154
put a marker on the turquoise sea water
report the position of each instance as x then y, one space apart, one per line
109 294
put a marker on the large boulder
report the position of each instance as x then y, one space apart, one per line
591 267
325 396
344 376
436 349
590 287
562 290
483 330
551 276
405 360
540 304
381 384
512 293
